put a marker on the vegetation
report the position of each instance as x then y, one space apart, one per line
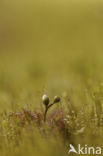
50 48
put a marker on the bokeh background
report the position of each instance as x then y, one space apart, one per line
53 47
49 46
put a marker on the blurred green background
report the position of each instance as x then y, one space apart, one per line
49 46
53 47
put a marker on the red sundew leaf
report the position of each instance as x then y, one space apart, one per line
56 115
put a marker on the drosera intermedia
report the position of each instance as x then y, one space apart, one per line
46 101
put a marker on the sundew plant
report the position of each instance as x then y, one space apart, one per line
51 77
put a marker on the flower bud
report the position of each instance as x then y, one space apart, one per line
56 99
45 99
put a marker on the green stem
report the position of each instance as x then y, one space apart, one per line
46 110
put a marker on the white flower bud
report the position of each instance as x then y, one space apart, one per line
45 99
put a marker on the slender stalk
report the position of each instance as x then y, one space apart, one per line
50 105
46 110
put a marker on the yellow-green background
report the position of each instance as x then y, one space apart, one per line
49 46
